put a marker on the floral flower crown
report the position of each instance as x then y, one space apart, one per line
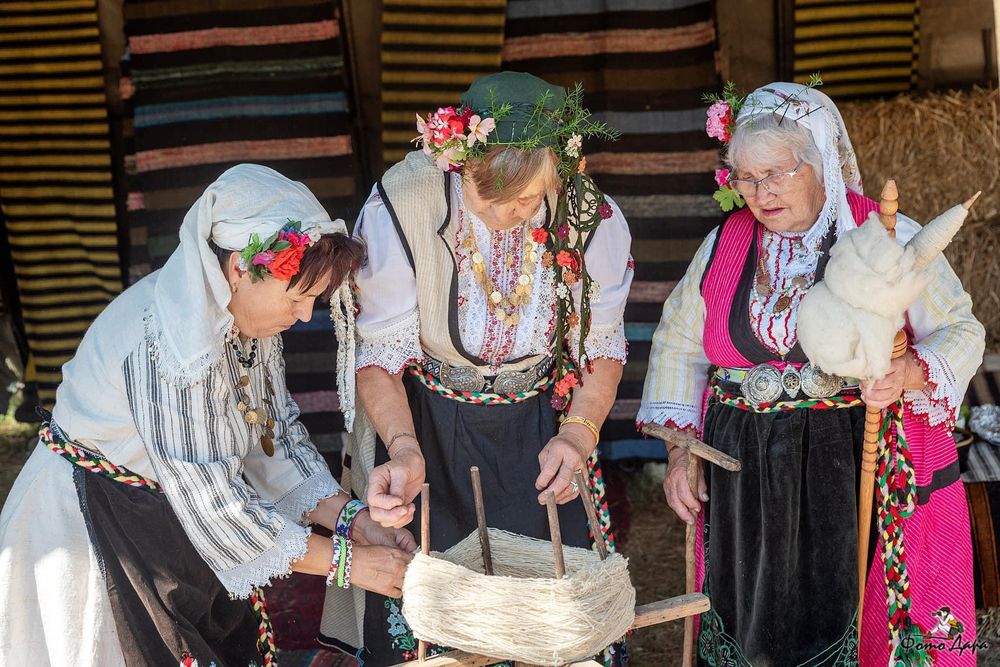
721 124
451 136
280 254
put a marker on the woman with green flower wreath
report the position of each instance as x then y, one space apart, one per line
490 327
174 478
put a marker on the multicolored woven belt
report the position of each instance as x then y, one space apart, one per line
428 380
53 438
846 399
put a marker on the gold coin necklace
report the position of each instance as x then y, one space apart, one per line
503 306
255 416
763 285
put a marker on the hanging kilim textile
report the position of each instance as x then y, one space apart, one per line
213 83
860 47
55 176
644 66
431 51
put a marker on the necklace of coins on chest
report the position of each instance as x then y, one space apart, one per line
762 280
255 417
503 306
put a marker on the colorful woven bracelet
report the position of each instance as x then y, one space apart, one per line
347 516
346 583
339 545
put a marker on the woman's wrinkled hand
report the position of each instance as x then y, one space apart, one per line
392 487
677 490
905 372
379 569
559 460
366 531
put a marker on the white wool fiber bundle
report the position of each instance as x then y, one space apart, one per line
522 612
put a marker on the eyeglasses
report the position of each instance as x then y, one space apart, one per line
776 184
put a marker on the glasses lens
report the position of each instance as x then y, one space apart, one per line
776 184
745 188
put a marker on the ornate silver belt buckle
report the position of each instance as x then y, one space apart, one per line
817 384
762 384
514 382
462 378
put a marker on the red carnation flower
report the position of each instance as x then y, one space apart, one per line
539 235
286 263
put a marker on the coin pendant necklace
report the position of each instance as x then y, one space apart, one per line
255 416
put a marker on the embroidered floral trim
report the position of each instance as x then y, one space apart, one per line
937 403
606 341
393 347
669 413
304 498
275 563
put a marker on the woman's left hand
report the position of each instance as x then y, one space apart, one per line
367 531
904 373
559 460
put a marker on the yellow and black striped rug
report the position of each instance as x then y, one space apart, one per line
55 176
859 47
431 51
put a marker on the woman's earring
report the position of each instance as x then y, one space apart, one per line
234 287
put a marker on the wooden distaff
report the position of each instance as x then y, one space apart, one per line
887 208
697 450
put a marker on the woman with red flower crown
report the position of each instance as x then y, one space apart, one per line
490 332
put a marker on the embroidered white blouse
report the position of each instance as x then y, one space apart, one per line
389 325
948 340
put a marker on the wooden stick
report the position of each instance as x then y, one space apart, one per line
693 444
425 545
888 206
484 536
588 506
690 538
555 534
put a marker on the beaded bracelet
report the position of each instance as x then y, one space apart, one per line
350 512
340 564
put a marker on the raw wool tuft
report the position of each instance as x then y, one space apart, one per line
848 321
521 613
941 147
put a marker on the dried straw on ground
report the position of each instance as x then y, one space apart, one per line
522 613
941 148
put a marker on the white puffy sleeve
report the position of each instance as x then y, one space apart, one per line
678 368
948 340
609 263
388 326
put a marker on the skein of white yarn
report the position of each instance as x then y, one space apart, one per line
521 613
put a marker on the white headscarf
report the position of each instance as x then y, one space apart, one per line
815 111
192 294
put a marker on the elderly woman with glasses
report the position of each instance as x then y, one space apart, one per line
777 548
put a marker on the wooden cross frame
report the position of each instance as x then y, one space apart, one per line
682 606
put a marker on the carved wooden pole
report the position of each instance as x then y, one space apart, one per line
888 206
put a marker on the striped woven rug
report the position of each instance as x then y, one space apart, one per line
213 83
860 47
431 51
644 65
55 176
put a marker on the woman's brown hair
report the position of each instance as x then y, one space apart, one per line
505 171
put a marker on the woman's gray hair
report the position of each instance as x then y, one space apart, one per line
765 139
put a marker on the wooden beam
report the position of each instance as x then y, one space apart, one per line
693 445
670 609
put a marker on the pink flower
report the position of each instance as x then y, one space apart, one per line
479 129
263 258
720 118
722 177
557 402
563 231
450 159
605 210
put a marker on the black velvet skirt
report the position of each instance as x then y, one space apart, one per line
780 538
504 441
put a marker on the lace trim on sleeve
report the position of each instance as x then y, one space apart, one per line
304 498
605 341
669 413
275 563
393 347
939 401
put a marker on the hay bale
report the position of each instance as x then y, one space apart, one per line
941 148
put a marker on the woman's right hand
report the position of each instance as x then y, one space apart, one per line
677 490
393 485
379 569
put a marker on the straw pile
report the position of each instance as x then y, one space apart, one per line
521 613
941 148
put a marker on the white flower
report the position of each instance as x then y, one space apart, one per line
595 292
314 234
574 145
562 291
